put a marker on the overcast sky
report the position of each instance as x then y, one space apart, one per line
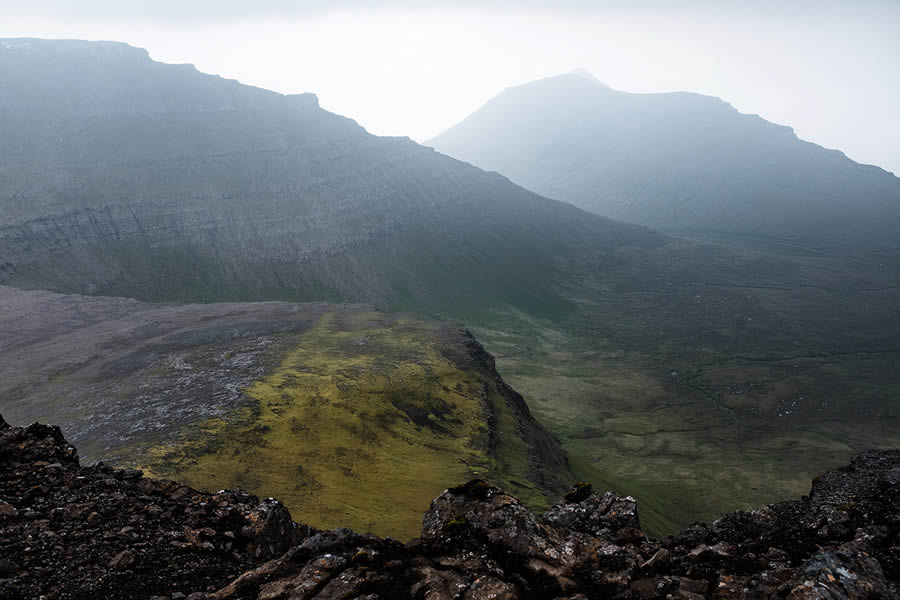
828 68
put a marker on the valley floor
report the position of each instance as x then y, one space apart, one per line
692 429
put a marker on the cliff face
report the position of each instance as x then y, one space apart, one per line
682 163
73 532
126 176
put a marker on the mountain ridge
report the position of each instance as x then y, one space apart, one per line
681 162
109 190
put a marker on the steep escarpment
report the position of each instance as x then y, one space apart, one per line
682 163
159 182
73 532
351 416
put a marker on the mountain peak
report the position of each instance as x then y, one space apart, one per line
585 74
670 161
305 99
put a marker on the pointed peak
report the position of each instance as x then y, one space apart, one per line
581 72
585 74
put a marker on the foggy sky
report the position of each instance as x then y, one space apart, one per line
827 68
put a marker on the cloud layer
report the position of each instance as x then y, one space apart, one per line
225 10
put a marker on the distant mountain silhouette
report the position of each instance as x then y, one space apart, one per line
679 162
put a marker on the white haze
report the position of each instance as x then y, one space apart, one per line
829 69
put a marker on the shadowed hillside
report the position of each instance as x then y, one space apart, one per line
241 193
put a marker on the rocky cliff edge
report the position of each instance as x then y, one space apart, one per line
68 531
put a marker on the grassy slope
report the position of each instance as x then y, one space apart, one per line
592 347
361 426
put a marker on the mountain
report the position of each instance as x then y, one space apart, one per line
71 531
353 417
699 379
245 194
681 163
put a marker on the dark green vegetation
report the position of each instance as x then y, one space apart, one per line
688 427
696 378
353 417
683 163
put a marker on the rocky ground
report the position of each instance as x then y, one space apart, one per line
117 374
68 531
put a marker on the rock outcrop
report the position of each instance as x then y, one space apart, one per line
68 531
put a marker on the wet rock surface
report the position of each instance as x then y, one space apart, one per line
68 531
85 532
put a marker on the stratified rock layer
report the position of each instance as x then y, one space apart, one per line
68 531
124 176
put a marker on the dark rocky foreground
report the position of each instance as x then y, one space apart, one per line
68 531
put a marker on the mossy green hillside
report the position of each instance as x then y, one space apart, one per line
362 424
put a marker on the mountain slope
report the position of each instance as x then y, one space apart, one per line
351 416
700 379
679 162
246 194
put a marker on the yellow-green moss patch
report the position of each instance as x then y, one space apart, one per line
361 425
